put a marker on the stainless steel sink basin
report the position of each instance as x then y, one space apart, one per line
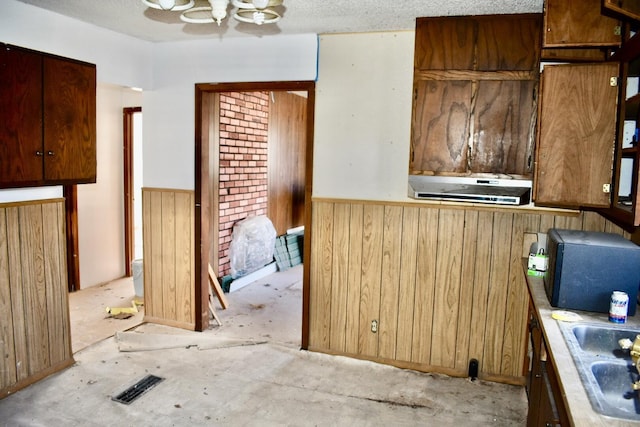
602 340
614 383
606 371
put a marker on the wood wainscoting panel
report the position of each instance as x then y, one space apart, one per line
444 284
169 272
35 337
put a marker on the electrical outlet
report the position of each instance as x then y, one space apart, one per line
374 326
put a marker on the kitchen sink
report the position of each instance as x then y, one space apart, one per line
614 383
607 372
602 340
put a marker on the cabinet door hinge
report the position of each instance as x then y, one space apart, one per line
613 81
617 30
606 188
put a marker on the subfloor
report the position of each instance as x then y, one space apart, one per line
250 372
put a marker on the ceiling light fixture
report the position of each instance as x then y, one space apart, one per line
169 4
250 11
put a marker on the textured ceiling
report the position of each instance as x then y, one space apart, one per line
131 17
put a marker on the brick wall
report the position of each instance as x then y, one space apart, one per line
243 163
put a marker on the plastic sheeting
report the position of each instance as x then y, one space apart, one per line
252 244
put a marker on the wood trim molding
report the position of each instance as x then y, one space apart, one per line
70 193
127 142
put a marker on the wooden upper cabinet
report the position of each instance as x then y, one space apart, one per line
475 84
576 135
20 115
626 9
47 119
69 121
571 23
444 44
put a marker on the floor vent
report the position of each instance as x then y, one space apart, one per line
138 389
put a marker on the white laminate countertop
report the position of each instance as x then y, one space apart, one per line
575 397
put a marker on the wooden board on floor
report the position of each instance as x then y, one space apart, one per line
213 281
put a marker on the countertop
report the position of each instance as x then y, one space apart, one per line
575 397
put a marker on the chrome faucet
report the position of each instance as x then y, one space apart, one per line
634 351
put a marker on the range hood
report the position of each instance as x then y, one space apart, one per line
493 190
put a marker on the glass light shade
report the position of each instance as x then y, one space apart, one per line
167 4
260 4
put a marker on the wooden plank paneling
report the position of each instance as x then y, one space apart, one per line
446 285
169 257
482 276
168 250
35 293
17 301
447 291
496 298
55 271
354 278
321 262
286 165
390 281
339 277
425 285
34 310
372 233
184 252
7 353
407 290
517 302
467 282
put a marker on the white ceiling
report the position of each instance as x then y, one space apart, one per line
133 18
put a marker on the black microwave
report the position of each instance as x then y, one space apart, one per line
585 267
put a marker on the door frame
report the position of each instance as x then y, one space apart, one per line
206 127
127 156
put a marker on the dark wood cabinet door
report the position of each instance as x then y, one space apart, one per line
503 136
508 43
576 135
440 137
571 23
445 43
20 116
69 121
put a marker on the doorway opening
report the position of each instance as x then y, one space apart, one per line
132 167
209 191
89 321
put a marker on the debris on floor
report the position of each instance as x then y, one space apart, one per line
138 341
123 312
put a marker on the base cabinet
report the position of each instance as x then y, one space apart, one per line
545 401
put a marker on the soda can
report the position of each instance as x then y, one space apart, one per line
619 306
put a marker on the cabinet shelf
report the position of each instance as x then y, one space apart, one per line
632 105
630 152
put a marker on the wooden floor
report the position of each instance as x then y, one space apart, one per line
90 322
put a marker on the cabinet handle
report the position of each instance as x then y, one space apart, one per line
50 153
39 153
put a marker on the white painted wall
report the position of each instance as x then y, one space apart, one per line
169 108
363 116
101 205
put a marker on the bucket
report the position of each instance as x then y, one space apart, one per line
138 279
